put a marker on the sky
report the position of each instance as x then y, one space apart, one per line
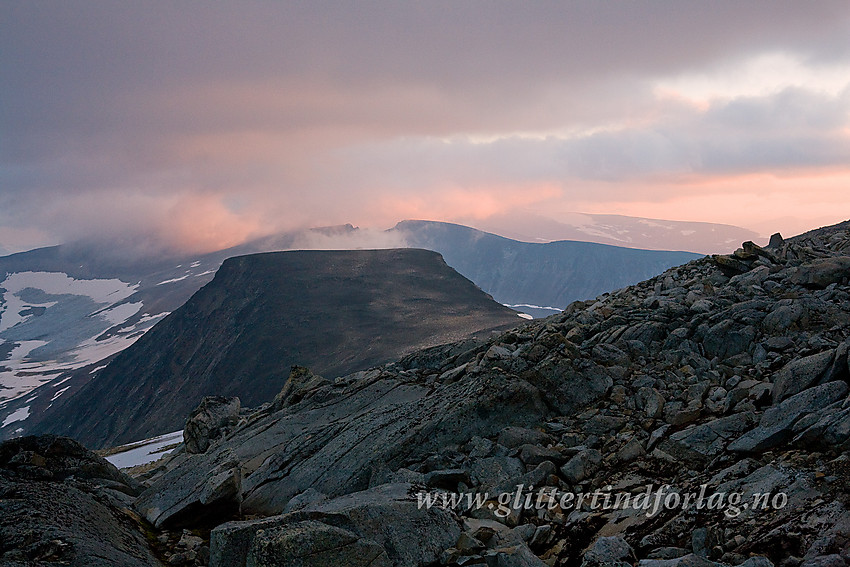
197 125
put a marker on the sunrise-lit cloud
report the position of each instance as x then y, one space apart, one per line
195 126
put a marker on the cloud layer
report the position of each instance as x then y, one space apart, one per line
198 125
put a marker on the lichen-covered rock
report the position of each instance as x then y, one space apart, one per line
313 544
214 417
384 522
60 504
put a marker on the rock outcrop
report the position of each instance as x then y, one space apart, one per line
211 420
60 504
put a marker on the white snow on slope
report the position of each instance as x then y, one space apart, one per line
59 393
80 311
54 283
528 305
120 313
180 279
19 414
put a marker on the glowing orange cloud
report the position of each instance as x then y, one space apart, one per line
791 203
455 203
201 223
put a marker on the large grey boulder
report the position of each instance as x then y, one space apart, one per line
570 384
51 457
60 504
833 560
823 272
196 493
831 430
690 560
517 555
490 471
609 551
776 425
214 417
799 374
582 466
535 477
698 443
231 541
335 443
513 437
300 383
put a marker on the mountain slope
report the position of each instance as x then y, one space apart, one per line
335 311
550 275
66 310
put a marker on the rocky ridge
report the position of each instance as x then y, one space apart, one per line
728 375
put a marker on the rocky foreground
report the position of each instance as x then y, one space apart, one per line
717 392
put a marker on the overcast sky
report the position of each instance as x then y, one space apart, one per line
201 124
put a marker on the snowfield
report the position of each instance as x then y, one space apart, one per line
71 314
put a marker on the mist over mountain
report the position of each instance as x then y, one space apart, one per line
618 230
334 311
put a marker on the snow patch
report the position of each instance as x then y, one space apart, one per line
120 313
532 306
146 451
22 349
56 283
148 318
19 414
59 393
180 279
653 224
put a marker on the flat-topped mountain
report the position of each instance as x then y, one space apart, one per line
334 311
